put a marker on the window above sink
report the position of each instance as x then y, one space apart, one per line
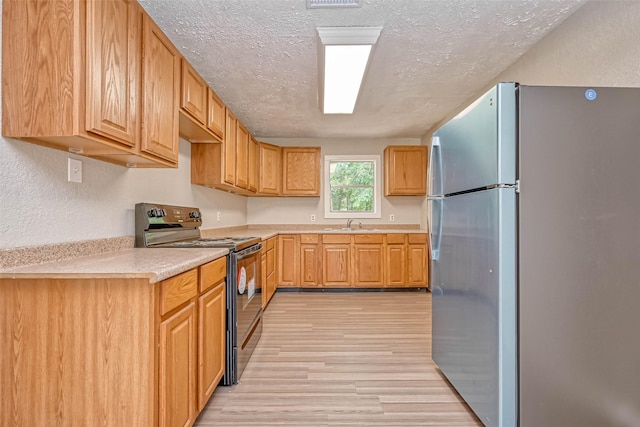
352 186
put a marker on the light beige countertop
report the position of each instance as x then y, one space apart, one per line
266 233
155 264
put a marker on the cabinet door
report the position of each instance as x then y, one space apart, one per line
212 311
216 117
269 169
265 285
288 260
309 265
113 69
301 171
160 93
229 150
177 369
405 170
418 265
193 93
252 174
242 156
368 265
336 265
396 266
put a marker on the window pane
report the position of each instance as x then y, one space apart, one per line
351 173
345 199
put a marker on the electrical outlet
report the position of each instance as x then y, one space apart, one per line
313 218
392 217
74 170
219 216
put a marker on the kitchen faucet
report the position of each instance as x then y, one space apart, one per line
349 221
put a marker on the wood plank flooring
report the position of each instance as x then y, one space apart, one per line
342 359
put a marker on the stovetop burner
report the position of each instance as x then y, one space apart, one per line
166 226
236 243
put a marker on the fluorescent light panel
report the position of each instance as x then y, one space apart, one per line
343 71
346 54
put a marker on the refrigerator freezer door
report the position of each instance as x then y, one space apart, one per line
579 257
478 146
474 302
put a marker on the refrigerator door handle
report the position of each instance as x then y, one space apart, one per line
435 166
437 209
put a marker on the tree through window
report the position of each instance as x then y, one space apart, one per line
352 186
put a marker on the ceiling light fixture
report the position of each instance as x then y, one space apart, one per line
344 55
319 4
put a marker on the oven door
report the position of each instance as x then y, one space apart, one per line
248 289
244 303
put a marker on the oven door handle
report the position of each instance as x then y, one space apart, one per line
249 251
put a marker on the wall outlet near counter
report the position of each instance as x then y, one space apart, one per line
392 218
313 218
74 170
219 216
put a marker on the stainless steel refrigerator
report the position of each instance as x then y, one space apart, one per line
535 272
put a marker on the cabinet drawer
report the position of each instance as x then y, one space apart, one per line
308 238
271 243
367 238
213 273
336 238
417 238
178 290
395 239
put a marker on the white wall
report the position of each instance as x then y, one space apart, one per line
599 45
38 206
298 210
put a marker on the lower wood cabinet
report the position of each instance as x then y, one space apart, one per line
269 271
418 271
336 261
177 369
212 314
310 260
353 260
396 257
369 258
111 351
288 260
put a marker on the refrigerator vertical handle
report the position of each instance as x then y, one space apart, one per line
435 167
435 226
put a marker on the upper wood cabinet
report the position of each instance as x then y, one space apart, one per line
202 113
405 170
216 117
269 169
112 90
102 86
301 171
252 165
242 156
193 93
229 150
160 93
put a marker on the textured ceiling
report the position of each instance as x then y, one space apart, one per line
261 57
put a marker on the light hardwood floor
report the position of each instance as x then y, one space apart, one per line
342 359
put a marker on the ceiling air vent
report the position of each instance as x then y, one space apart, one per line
320 4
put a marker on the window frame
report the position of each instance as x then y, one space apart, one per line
377 185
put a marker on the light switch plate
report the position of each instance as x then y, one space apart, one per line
74 170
